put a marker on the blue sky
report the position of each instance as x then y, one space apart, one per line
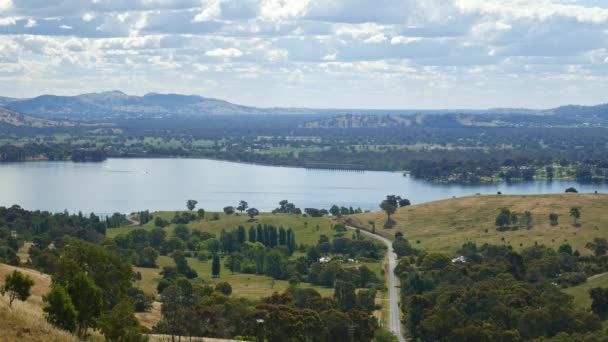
312 53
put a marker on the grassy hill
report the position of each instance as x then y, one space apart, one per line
25 320
305 228
581 292
446 225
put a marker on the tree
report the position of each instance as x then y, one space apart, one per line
503 218
553 217
242 206
191 204
599 298
17 285
404 202
252 235
147 257
201 213
252 212
389 209
59 309
241 234
215 266
335 211
338 325
112 275
120 324
182 232
344 295
223 287
181 264
87 300
176 300
229 210
366 300
599 246
575 213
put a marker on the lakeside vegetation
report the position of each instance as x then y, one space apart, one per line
440 150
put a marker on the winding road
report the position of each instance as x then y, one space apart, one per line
393 285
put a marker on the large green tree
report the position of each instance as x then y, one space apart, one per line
59 309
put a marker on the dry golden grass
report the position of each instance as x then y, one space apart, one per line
42 282
150 318
446 225
25 322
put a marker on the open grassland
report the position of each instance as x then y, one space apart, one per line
250 286
305 227
581 292
446 225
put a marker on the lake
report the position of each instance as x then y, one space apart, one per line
126 185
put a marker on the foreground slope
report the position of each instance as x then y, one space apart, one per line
25 320
446 225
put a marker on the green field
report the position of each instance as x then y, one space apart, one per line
304 227
446 225
581 292
249 286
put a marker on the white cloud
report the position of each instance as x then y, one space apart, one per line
404 40
375 39
5 5
201 67
224 53
7 21
277 10
30 23
330 57
88 17
413 46
211 10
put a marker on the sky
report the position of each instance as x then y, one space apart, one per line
424 54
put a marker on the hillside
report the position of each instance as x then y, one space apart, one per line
25 320
116 104
581 292
13 118
446 225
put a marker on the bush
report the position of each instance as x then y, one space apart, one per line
435 261
224 287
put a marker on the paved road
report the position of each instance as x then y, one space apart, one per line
393 291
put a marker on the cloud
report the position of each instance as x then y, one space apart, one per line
255 46
404 40
224 53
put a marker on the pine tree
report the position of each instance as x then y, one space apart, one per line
215 266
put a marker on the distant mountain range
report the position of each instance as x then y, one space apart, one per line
112 105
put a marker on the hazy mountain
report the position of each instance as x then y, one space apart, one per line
113 104
5 100
588 111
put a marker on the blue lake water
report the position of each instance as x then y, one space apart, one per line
126 185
